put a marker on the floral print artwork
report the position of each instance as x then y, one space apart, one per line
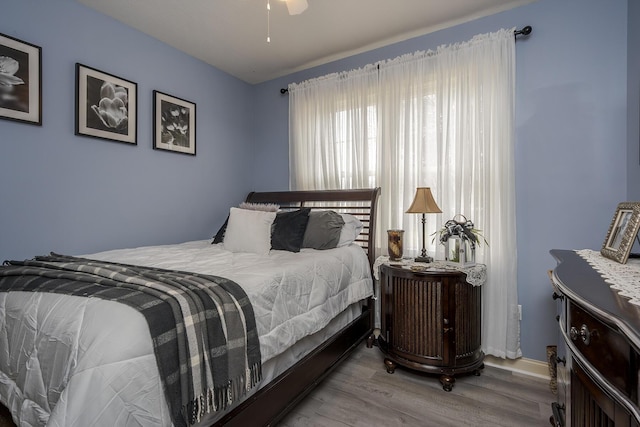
11 86
20 81
8 68
107 106
175 124
112 108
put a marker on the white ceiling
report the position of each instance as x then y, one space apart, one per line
231 34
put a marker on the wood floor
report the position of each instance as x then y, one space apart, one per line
361 393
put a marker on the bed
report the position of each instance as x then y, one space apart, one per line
294 362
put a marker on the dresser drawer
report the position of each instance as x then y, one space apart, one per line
604 348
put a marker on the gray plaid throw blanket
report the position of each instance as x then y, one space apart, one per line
203 327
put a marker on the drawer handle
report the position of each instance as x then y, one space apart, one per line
584 333
573 333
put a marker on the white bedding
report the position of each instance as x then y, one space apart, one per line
103 370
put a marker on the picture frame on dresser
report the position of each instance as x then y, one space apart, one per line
622 232
174 124
20 81
106 106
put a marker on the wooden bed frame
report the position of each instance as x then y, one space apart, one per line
272 402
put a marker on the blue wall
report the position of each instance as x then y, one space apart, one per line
571 134
70 194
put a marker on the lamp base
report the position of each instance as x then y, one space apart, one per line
426 259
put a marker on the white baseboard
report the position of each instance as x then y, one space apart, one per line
524 366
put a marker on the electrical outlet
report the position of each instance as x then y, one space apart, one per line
519 312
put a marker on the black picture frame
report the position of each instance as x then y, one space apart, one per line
622 232
106 106
20 81
174 124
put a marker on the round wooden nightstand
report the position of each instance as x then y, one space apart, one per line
431 322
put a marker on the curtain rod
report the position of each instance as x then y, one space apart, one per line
525 31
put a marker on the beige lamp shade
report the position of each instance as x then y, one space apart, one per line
423 202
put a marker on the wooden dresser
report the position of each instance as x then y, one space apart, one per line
431 322
598 363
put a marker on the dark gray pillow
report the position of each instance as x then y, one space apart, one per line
288 230
323 230
219 237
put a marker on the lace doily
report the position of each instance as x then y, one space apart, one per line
624 278
476 274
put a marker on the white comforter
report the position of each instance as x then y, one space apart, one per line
73 361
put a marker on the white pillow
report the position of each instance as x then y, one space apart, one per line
249 231
350 230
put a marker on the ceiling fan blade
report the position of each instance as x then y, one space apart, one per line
296 7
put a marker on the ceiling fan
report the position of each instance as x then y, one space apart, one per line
296 7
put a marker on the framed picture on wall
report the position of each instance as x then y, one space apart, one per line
622 232
106 106
20 81
174 124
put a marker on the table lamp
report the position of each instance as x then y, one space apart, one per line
423 203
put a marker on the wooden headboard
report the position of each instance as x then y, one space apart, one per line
360 203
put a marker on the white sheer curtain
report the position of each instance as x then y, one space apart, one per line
442 119
333 121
